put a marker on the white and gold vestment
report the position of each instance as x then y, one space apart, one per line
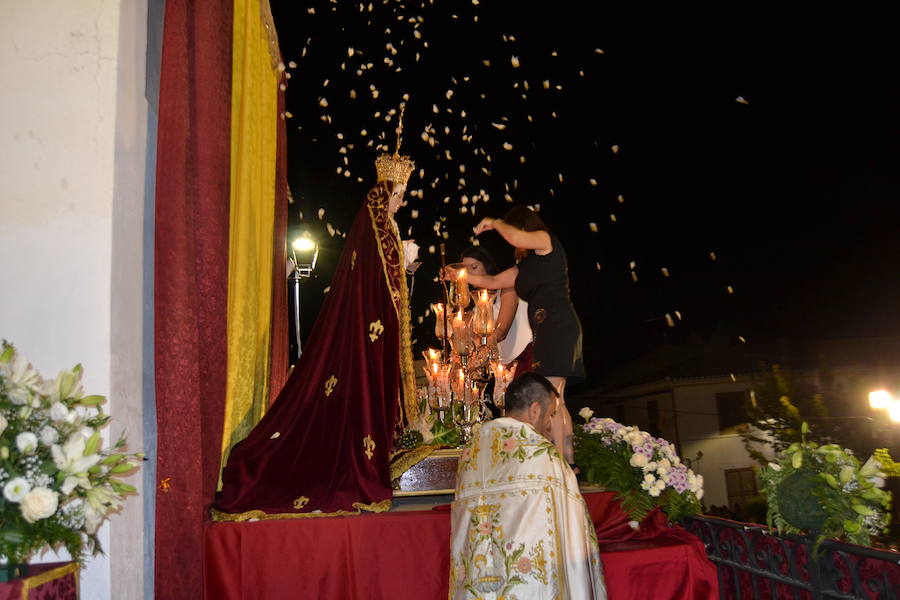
520 528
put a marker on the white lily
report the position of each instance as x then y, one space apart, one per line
92 518
73 481
70 458
872 468
102 499
67 385
21 379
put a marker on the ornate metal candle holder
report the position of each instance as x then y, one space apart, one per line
503 376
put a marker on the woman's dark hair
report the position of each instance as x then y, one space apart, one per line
522 217
482 256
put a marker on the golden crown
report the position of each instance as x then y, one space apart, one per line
394 167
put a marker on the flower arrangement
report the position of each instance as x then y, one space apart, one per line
644 470
57 484
824 490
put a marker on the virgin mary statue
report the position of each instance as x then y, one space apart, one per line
324 445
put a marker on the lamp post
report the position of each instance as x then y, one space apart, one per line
304 253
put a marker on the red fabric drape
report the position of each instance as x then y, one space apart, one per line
280 361
191 273
407 555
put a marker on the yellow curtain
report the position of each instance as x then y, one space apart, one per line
254 108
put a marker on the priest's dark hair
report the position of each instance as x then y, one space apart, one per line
528 389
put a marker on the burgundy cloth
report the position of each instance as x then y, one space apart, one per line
310 444
407 555
524 361
192 211
279 351
64 587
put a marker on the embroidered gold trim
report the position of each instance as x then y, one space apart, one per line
258 515
353 260
301 502
30 583
329 385
375 330
390 249
404 460
369 445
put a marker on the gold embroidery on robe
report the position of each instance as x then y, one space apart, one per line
258 515
301 502
375 330
369 445
353 260
329 385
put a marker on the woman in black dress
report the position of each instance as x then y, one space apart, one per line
541 278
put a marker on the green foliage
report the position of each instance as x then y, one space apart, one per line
780 406
823 490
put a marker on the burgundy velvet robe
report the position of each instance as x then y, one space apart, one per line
325 443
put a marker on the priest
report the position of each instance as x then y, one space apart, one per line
520 528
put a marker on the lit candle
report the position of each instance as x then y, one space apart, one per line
483 321
439 330
431 356
462 288
462 335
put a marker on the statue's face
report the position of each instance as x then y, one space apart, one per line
396 198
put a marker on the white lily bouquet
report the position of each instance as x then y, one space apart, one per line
58 484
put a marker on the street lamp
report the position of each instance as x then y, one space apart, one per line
304 253
883 399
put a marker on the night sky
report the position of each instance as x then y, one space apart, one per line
775 149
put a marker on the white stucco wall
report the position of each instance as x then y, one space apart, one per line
73 142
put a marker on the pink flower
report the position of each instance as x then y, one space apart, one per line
510 445
484 528
523 565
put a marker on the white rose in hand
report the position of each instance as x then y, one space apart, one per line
39 503
410 253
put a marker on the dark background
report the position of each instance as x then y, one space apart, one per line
795 191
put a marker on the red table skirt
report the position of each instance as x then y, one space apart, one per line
45 581
401 555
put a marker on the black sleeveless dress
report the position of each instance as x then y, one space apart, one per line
543 282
